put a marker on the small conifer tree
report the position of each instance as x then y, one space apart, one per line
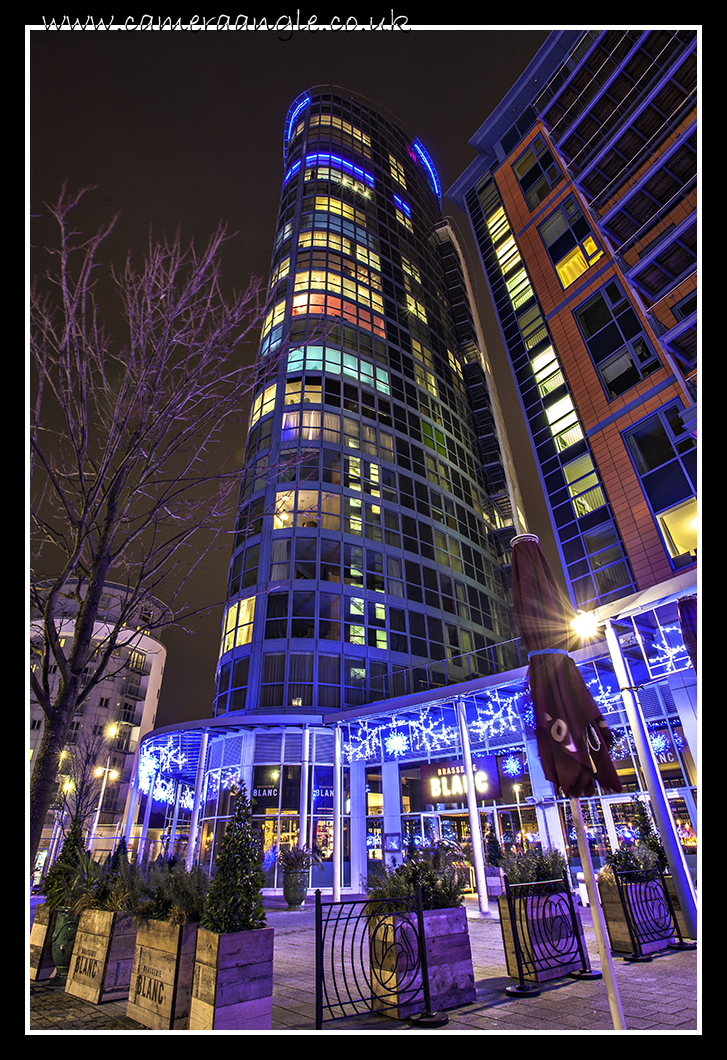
62 874
493 850
647 834
234 897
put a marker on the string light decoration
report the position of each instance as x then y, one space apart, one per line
500 713
661 643
156 760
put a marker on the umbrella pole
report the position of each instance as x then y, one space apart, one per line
599 922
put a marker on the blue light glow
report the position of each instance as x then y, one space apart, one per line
340 163
429 166
293 113
292 171
511 766
402 206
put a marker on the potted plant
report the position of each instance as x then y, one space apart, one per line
66 888
296 863
233 970
103 951
494 859
440 874
636 897
542 933
168 916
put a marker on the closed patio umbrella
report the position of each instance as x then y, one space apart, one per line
572 737
688 624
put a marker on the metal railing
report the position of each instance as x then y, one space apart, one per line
371 957
649 912
547 935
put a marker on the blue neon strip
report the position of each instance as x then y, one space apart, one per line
429 166
293 169
303 103
402 206
340 163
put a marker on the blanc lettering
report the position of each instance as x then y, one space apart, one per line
86 966
151 989
457 784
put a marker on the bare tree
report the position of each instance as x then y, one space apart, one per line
124 480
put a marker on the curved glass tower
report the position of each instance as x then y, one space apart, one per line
375 507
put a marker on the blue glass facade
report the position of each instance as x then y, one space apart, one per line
375 509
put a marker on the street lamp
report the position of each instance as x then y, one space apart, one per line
587 625
108 774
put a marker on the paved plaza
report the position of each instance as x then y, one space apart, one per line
658 997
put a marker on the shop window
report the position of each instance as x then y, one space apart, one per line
616 340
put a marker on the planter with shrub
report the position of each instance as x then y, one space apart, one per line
233 970
168 917
103 952
440 875
541 928
65 888
640 904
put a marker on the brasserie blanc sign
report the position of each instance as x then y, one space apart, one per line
444 782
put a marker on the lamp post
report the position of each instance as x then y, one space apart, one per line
108 773
585 626
516 789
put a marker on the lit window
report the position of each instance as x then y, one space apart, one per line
397 170
547 371
410 269
665 457
564 425
569 241
237 626
583 485
416 308
263 404
537 172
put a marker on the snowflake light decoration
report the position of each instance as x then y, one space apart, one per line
511 766
396 743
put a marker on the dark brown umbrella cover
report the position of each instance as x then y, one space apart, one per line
572 737
687 608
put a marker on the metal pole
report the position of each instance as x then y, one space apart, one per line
98 808
337 822
473 811
659 802
194 819
303 838
599 921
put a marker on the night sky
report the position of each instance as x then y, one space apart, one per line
185 129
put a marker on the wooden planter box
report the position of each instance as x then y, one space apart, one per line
549 948
232 988
649 937
397 987
42 965
103 955
671 887
161 977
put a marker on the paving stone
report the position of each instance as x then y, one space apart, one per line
661 996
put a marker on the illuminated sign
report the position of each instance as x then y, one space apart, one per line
446 782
